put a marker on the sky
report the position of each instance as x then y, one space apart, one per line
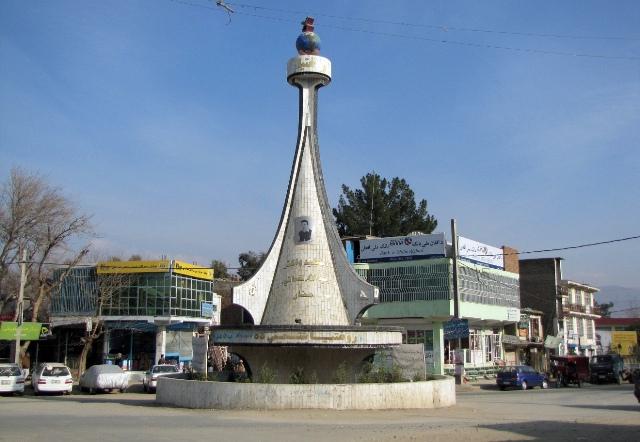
172 124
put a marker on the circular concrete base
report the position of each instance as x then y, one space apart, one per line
233 395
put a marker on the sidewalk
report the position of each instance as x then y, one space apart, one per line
476 385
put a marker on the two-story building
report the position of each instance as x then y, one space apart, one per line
148 309
417 282
524 341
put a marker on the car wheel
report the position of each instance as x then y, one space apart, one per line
92 390
618 379
503 388
144 388
524 385
123 390
544 385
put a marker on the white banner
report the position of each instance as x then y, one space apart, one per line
479 253
400 248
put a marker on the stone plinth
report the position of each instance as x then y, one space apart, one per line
438 393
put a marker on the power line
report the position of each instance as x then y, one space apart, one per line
626 310
439 27
628 238
419 38
198 267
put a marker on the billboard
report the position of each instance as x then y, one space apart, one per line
28 331
478 253
624 342
402 248
161 266
193 270
118 267
455 329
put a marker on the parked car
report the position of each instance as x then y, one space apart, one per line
104 377
11 378
150 380
52 377
520 376
636 380
606 368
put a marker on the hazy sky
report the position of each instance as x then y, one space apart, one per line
176 128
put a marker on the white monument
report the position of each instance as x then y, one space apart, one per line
305 297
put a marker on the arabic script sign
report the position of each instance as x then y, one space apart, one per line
402 248
479 253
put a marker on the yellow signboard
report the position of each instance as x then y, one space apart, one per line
116 267
162 266
624 342
193 270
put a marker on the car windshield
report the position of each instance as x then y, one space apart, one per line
10 371
509 370
55 371
165 369
600 359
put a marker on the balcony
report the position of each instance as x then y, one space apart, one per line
568 309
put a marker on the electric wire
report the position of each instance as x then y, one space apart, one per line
198 267
439 27
628 238
429 39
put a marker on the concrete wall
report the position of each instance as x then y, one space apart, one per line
539 279
323 362
233 395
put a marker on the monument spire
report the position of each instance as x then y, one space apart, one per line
306 278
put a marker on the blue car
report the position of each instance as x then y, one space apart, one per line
521 376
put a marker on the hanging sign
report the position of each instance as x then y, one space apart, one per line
28 331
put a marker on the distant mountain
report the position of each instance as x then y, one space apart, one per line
626 300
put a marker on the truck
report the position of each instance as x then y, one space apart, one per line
606 368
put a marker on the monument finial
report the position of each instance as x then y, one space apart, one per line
307 24
308 42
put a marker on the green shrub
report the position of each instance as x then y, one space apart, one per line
341 375
371 375
266 375
298 376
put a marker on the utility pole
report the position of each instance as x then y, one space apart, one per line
454 255
373 192
206 351
19 306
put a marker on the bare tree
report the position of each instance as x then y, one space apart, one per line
38 218
108 288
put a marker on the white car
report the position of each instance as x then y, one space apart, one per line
52 377
104 377
150 380
11 379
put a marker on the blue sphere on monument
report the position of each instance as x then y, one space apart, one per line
308 42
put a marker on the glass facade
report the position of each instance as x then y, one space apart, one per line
143 294
77 294
431 280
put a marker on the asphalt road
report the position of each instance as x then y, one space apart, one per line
483 413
